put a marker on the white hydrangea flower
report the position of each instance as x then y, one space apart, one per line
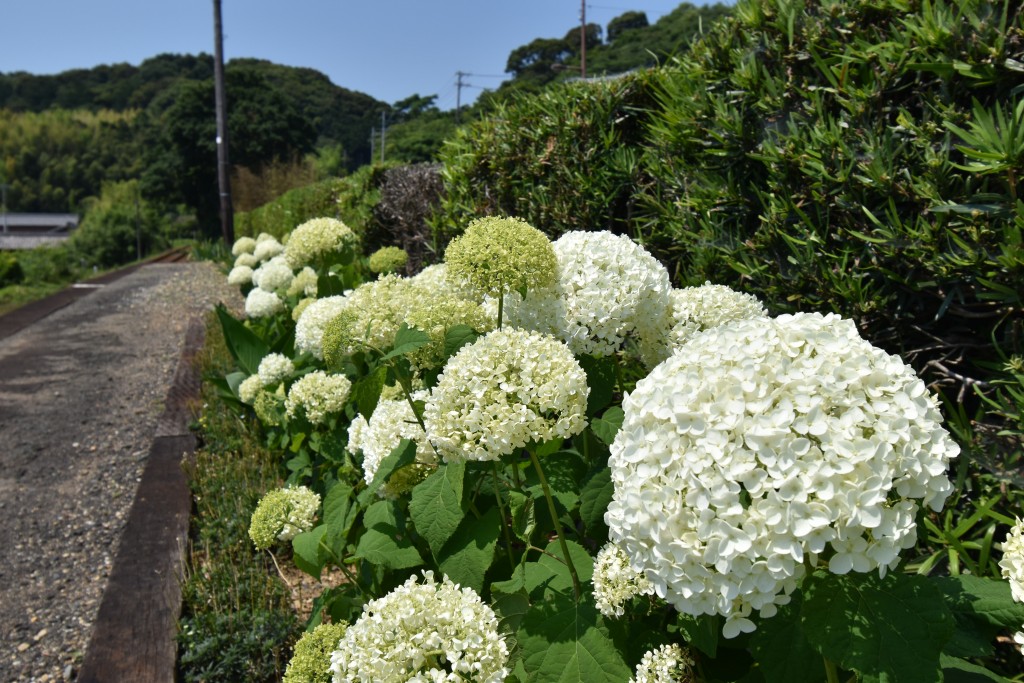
425 631
391 421
1012 562
374 314
304 283
508 388
1018 638
665 664
264 236
247 260
240 275
249 389
615 582
260 303
765 441
267 248
318 395
274 368
316 239
243 245
273 276
695 309
609 288
283 514
434 276
309 329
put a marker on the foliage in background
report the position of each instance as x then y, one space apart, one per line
119 227
290 209
408 196
237 621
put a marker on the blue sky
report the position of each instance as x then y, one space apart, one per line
389 49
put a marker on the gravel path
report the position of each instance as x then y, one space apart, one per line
80 394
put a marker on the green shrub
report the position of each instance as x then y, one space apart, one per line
291 209
11 272
118 227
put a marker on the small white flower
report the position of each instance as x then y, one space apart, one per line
425 631
1012 562
304 283
249 388
274 368
260 303
273 276
283 514
665 664
316 239
318 395
267 248
243 245
240 275
615 582
247 260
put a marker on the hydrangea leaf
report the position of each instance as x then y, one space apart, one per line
436 505
702 632
956 670
594 499
407 340
564 471
307 553
608 425
456 337
339 516
524 517
600 379
366 391
981 608
563 640
403 454
781 648
468 554
383 545
550 575
245 347
886 630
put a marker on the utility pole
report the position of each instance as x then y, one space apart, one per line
458 93
373 143
227 217
583 38
383 131
3 190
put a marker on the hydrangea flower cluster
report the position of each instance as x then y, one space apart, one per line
318 395
249 389
274 368
425 631
374 313
609 288
1012 567
764 441
615 582
508 388
304 283
495 256
247 260
388 260
391 421
436 315
274 276
665 664
267 247
311 660
243 245
309 329
283 514
317 239
240 275
259 303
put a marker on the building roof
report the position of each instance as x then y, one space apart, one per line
38 222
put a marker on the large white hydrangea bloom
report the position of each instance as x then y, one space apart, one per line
240 275
616 582
273 276
508 388
765 441
318 238
425 631
309 329
1012 566
243 245
608 288
318 395
259 303
391 421
247 260
267 247
274 368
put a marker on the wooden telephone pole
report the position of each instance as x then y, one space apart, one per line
227 216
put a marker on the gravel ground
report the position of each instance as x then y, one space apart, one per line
80 394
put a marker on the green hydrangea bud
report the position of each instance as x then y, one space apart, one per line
500 255
311 660
282 514
388 260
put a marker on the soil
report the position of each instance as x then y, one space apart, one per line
80 394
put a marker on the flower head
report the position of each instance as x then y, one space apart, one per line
425 631
665 664
318 395
240 275
309 329
304 283
260 303
1012 562
273 276
311 661
615 582
764 441
267 248
499 255
250 387
243 245
274 368
247 260
318 239
282 514
373 315
388 260
507 389
391 421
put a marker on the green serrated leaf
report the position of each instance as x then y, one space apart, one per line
339 516
563 641
956 670
403 454
244 346
702 632
782 650
524 518
382 545
456 337
549 575
594 499
981 609
608 425
436 505
307 554
887 630
407 340
366 391
469 553
600 379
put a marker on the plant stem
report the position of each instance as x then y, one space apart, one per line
504 522
577 590
501 307
831 672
